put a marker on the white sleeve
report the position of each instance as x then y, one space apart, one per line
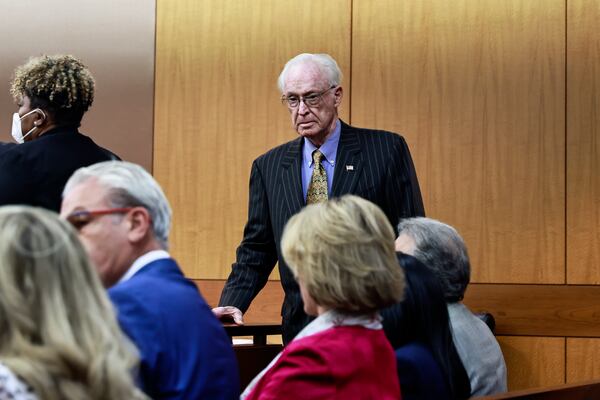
13 388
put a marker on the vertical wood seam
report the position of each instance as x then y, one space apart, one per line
566 119
351 62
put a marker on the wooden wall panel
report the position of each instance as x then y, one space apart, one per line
583 359
533 361
477 88
539 310
217 108
583 142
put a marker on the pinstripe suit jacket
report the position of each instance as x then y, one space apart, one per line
382 172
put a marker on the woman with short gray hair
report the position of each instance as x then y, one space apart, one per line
443 251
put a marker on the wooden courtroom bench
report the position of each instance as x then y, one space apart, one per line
578 391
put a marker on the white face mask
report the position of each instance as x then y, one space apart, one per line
17 130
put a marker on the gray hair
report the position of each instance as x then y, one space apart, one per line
325 62
129 185
440 247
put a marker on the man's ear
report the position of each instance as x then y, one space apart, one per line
140 224
339 94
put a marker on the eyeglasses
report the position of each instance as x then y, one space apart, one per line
79 219
310 100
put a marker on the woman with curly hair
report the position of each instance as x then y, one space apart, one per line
52 93
59 337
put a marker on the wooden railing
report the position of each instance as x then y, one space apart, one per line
252 358
258 332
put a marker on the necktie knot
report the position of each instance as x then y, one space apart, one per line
317 156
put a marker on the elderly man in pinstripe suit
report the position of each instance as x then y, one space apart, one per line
329 159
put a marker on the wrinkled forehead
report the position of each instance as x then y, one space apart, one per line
304 78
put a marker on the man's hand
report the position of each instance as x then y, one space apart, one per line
228 313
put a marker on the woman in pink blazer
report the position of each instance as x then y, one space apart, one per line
342 255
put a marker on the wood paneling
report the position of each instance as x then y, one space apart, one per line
583 142
583 359
217 108
477 88
539 310
533 361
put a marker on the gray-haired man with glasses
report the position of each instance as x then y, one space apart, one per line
329 159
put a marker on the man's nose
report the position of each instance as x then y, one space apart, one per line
302 108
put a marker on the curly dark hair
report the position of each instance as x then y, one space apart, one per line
60 84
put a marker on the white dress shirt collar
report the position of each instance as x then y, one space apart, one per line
142 261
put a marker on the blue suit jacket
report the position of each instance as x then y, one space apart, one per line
185 352
419 374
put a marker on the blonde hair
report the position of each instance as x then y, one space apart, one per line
343 251
59 84
58 330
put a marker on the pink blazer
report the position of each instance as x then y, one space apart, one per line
344 362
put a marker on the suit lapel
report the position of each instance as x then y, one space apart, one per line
348 168
291 179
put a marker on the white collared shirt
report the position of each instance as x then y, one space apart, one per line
142 261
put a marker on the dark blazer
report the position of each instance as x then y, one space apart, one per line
420 375
375 165
4 146
185 352
35 172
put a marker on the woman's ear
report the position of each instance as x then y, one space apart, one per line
40 118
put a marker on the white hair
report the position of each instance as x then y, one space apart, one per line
325 62
129 185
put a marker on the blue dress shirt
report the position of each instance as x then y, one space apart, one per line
329 151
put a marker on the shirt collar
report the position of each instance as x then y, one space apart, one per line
328 149
332 318
142 261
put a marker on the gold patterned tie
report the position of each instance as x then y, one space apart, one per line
317 189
